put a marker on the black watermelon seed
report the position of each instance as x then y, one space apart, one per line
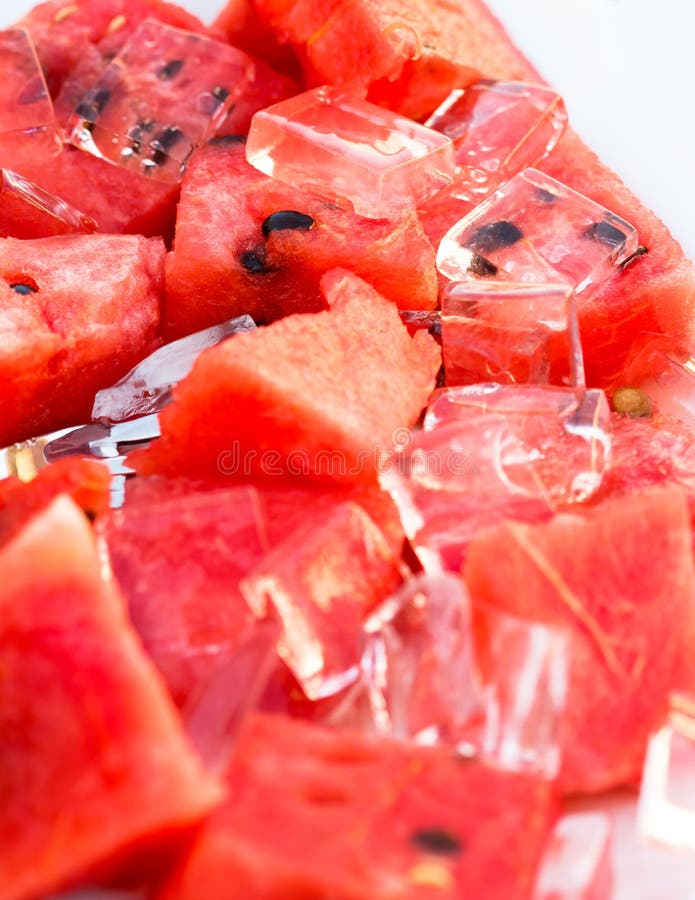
227 140
605 233
633 257
24 289
481 267
254 261
164 142
171 69
438 841
101 98
546 196
287 220
494 236
220 93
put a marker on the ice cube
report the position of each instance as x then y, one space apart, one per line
671 384
508 333
419 665
666 811
535 229
321 583
25 103
498 129
166 92
27 211
147 388
489 452
576 864
350 152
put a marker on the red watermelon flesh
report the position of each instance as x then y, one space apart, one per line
27 211
93 758
620 580
61 28
240 23
408 54
430 825
86 481
275 404
179 560
117 200
77 312
236 252
322 582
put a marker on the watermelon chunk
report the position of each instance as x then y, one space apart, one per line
430 825
27 211
86 481
248 244
93 758
76 313
295 413
241 25
620 579
409 54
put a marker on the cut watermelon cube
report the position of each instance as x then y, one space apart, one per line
430 825
295 413
163 94
620 580
93 757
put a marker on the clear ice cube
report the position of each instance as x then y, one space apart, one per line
523 668
671 385
488 452
498 129
509 333
351 153
533 230
25 103
147 388
28 211
666 812
165 92
320 583
577 864
418 666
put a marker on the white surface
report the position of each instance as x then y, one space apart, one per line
627 71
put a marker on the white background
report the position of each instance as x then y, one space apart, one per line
627 71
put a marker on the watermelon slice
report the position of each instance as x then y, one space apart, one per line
248 244
430 825
241 25
93 758
86 481
295 414
408 54
77 312
620 579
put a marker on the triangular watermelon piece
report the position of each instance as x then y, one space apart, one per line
317 813
93 758
246 243
620 580
276 403
76 313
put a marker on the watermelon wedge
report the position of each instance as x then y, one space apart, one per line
620 579
76 313
295 414
246 243
430 825
99 762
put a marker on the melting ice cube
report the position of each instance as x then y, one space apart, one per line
671 384
576 864
165 93
147 388
535 229
28 211
498 129
350 152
